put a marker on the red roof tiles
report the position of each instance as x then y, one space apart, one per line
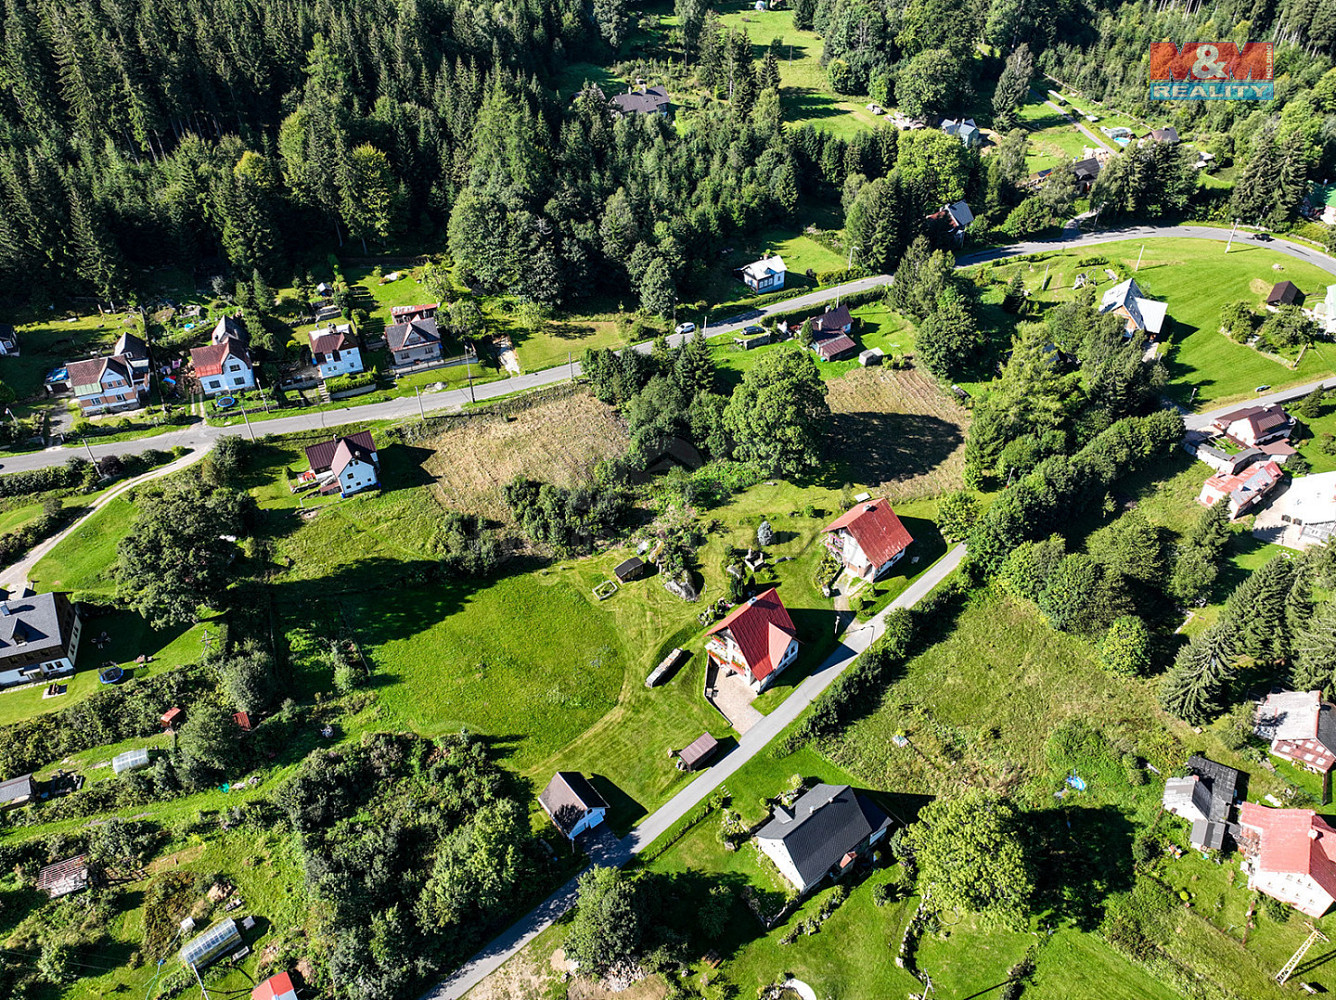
876 529
277 987
762 629
1293 841
209 360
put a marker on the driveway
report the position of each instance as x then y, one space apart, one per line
492 957
733 697
1080 125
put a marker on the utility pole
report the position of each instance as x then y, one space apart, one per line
1231 236
851 257
246 418
1143 250
570 364
418 392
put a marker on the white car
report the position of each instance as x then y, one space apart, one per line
686 328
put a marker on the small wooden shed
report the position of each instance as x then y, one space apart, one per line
698 754
631 569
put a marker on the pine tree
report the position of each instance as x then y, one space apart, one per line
694 370
1012 86
1315 653
1256 609
262 296
770 67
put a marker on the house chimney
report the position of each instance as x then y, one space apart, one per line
1313 833
4 608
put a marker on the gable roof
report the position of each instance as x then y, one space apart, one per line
83 373
414 333
1283 293
568 798
131 347
17 788
960 214
1087 169
64 877
1260 419
1146 314
765 267
277 987
832 321
1167 134
651 100
209 360
349 451
228 328
762 629
402 314
321 456
832 348
826 823
30 624
1246 486
876 528
334 338
1293 841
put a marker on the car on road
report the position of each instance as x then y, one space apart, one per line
753 330
1262 388
685 328
1262 237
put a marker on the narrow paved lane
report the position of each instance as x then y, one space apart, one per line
1079 124
500 950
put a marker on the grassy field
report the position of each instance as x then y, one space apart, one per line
1053 140
1197 279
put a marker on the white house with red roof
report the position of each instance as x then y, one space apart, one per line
1245 489
756 640
334 351
1291 856
1253 426
346 465
277 987
869 539
223 367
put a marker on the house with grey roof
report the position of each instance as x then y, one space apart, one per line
827 830
17 791
645 101
573 803
965 130
1140 314
1205 796
39 637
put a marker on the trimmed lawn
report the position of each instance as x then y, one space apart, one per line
83 563
1053 140
1197 279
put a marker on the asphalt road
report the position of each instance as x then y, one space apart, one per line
501 949
200 436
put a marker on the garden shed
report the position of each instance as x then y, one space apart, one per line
219 939
131 760
699 752
64 877
631 569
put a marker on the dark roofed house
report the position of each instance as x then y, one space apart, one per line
9 341
134 350
39 637
573 804
830 334
345 465
229 328
828 829
1284 293
17 791
414 341
698 753
1167 134
1253 426
334 351
1086 171
646 101
631 569
1205 797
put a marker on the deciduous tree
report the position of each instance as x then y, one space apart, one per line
778 415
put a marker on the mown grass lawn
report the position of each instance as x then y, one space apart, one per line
1197 279
1053 140
83 563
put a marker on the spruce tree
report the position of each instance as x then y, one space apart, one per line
1315 652
694 370
1256 610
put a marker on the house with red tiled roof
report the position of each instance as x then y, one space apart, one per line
869 539
1244 489
107 385
756 640
406 314
345 465
334 351
1291 856
277 987
1252 426
223 367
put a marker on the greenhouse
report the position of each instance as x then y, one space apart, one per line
131 760
219 939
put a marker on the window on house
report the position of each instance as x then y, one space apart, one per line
336 355
238 381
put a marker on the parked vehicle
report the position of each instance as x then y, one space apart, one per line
685 328
1262 237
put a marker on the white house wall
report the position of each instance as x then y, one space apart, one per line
1300 891
774 850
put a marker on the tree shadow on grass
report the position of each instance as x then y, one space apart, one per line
884 447
1080 857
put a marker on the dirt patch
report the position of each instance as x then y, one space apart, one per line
585 988
175 859
898 431
558 442
1260 286
524 977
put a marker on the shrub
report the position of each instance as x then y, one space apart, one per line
1125 648
347 383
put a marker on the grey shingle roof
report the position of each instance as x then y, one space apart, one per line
568 798
827 823
31 625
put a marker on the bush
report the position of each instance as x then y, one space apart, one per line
1125 648
347 383
841 275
